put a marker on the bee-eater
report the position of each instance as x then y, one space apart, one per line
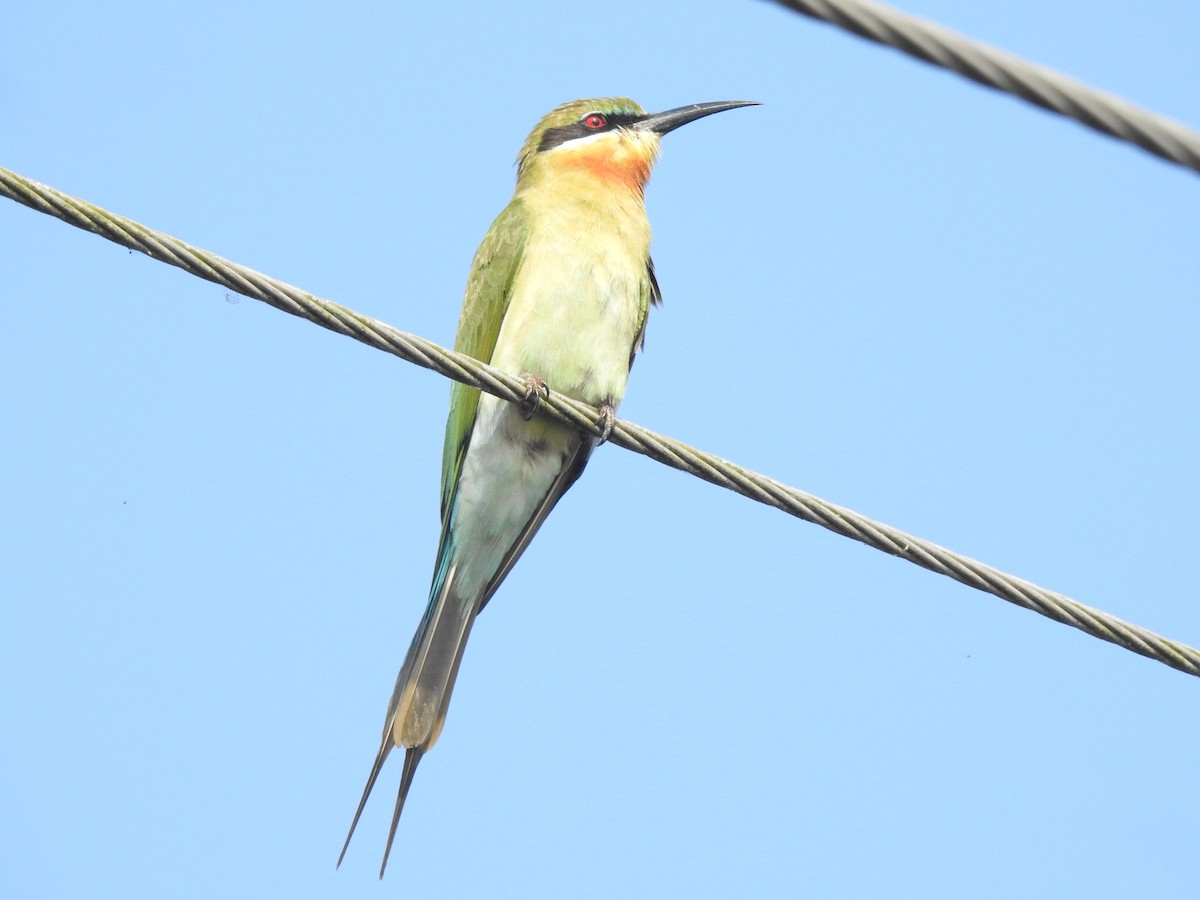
558 293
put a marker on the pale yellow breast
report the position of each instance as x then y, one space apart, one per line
579 297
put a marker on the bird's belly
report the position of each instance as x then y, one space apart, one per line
573 323
506 474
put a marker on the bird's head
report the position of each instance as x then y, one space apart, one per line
612 139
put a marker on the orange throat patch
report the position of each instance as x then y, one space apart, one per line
625 161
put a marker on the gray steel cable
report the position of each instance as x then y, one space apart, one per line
625 434
996 69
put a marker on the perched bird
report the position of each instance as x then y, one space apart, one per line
558 293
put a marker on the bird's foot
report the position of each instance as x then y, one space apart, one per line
536 390
608 417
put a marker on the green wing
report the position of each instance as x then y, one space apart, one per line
489 288
651 296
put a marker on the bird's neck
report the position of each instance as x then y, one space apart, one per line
592 187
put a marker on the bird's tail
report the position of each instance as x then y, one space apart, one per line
418 706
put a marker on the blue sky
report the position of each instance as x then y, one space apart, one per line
888 286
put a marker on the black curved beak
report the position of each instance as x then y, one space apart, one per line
668 121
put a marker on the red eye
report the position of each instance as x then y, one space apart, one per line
594 121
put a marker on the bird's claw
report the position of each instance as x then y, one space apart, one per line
536 390
608 418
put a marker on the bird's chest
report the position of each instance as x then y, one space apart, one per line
578 303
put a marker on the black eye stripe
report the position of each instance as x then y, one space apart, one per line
555 136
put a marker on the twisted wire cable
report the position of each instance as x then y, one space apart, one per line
713 469
997 69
